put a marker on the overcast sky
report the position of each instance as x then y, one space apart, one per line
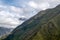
12 10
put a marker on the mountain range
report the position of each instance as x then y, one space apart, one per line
43 26
4 31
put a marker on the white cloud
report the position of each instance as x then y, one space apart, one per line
8 18
16 9
6 14
32 4
54 0
43 6
10 21
9 14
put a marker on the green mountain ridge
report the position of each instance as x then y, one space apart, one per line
43 26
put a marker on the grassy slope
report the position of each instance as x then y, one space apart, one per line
49 31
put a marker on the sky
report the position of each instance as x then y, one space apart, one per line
13 12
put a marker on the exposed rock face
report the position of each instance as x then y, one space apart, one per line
43 26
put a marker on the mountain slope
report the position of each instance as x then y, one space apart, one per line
38 25
49 31
4 31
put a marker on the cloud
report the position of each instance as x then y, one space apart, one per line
8 18
16 9
12 10
54 0
32 4
41 6
9 21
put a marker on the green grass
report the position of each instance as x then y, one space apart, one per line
49 31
